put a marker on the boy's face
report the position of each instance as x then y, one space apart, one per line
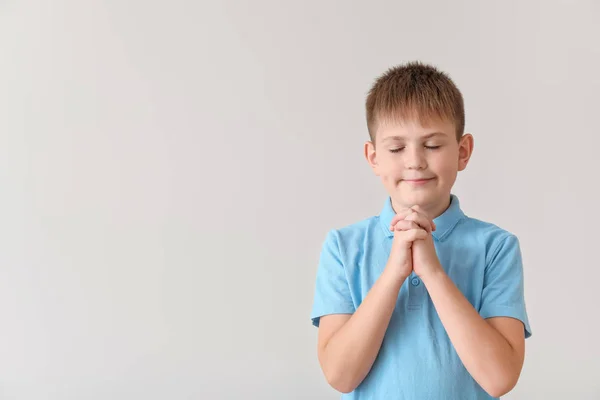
418 164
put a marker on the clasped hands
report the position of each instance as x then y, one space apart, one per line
412 246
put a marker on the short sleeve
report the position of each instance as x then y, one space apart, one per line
332 292
503 286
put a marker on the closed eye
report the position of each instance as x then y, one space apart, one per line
402 148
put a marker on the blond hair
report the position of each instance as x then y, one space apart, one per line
414 91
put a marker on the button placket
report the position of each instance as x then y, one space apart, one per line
415 293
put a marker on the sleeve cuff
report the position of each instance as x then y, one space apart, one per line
316 315
507 311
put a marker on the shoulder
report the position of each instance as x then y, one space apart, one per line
486 235
358 233
483 230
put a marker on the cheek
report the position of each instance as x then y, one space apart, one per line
445 163
390 172
387 165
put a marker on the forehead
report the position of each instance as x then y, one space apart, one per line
414 129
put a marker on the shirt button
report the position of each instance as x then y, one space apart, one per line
415 281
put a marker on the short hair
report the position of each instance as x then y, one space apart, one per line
414 91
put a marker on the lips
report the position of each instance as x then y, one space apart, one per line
417 182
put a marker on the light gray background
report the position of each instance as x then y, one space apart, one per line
169 170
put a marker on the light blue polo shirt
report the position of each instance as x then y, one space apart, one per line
417 359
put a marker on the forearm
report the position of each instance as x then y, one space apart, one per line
485 353
351 351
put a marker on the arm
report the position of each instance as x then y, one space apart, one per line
349 343
491 345
491 350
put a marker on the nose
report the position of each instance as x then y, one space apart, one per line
415 158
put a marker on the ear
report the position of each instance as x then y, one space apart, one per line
465 150
371 156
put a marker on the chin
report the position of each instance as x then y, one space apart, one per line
408 199
423 198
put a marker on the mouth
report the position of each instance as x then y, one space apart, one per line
419 181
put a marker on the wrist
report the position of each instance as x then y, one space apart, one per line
433 274
391 275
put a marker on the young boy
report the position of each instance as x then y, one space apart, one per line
420 302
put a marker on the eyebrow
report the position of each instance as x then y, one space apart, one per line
428 136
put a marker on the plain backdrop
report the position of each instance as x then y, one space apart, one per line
169 170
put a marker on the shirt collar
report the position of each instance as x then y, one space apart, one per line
444 224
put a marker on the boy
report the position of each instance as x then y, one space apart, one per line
420 302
